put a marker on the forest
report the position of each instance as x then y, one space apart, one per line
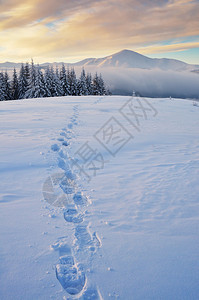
34 81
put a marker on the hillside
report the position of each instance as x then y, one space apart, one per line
99 198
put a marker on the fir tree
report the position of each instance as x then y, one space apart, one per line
72 83
7 87
2 88
89 84
102 89
58 90
23 83
96 86
82 84
49 82
39 90
31 81
64 81
15 86
27 72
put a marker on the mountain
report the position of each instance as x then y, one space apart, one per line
122 59
128 71
131 59
9 65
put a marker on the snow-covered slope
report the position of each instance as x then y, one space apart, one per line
126 226
131 59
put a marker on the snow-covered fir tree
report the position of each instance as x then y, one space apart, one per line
7 86
64 81
27 72
48 82
82 84
2 87
96 85
102 89
72 82
56 86
89 83
33 83
39 90
15 86
58 89
23 83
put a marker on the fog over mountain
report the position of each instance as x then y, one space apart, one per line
127 70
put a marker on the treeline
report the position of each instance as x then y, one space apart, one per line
32 82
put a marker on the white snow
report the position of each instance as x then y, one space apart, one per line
131 232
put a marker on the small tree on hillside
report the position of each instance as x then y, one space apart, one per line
15 86
2 88
23 83
82 84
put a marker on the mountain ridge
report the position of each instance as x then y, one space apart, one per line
122 59
131 59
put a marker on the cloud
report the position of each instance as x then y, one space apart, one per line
48 29
169 48
21 12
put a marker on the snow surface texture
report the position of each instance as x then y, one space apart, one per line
99 198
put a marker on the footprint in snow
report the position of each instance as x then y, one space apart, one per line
79 199
70 125
63 134
70 274
55 147
65 143
67 185
60 139
71 215
62 164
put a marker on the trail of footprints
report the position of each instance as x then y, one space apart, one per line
71 274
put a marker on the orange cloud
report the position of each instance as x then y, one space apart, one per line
168 48
51 30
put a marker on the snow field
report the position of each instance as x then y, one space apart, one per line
129 229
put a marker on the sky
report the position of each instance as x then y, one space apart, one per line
68 31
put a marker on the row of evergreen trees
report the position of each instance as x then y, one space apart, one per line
33 83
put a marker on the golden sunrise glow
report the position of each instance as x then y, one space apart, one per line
72 30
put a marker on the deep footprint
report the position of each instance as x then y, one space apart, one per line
67 185
71 215
79 199
65 143
70 275
55 147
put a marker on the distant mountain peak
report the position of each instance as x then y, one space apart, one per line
124 59
131 59
125 51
